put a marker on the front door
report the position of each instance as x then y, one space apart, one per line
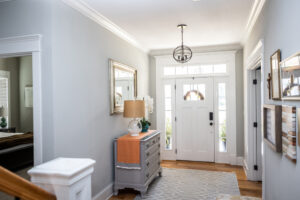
194 115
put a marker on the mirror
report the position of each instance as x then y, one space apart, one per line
123 84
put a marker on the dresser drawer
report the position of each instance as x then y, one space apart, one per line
151 150
152 165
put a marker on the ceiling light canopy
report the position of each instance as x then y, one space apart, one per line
182 53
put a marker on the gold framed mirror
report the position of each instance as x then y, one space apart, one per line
123 85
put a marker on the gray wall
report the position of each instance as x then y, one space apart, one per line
279 26
25 17
239 103
12 65
75 81
82 124
25 79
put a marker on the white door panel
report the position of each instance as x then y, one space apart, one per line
194 102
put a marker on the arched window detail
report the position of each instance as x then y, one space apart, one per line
194 92
193 95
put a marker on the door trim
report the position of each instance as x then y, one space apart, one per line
257 56
24 46
227 57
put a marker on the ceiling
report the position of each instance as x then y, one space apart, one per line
153 23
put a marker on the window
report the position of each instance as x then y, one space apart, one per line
4 75
193 92
168 116
195 69
222 117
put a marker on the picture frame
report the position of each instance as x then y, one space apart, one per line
298 125
275 74
272 126
290 77
123 85
289 133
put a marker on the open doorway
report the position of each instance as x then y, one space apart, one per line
16 113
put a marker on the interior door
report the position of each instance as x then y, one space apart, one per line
194 119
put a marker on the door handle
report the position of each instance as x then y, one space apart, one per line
211 116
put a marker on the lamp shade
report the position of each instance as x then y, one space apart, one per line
134 109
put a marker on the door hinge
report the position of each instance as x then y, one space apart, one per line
255 124
255 167
175 86
254 81
175 119
175 151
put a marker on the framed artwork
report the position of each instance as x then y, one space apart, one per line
272 122
275 75
290 77
289 137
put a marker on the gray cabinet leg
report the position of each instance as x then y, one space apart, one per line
160 173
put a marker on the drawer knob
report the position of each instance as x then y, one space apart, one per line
148 163
158 145
147 175
148 145
153 142
148 154
159 153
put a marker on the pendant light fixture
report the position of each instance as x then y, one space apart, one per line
182 53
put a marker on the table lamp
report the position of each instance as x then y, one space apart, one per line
134 109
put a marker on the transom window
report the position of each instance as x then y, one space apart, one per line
195 69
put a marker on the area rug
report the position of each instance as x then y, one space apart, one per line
187 184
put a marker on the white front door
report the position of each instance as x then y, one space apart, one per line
194 119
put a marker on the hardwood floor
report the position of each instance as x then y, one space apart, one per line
247 188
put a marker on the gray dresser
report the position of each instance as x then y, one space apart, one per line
139 176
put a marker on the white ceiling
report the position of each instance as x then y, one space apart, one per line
153 22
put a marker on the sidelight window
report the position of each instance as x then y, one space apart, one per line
168 116
222 117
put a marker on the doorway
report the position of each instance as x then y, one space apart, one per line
194 119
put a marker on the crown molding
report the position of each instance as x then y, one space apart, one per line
199 49
254 14
94 15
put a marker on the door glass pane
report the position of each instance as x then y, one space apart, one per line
168 126
206 69
194 92
168 116
222 116
181 70
168 71
220 68
222 145
168 105
194 69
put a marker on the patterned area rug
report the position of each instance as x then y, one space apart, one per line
186 184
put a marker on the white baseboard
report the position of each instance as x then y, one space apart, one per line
105 194
240 161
